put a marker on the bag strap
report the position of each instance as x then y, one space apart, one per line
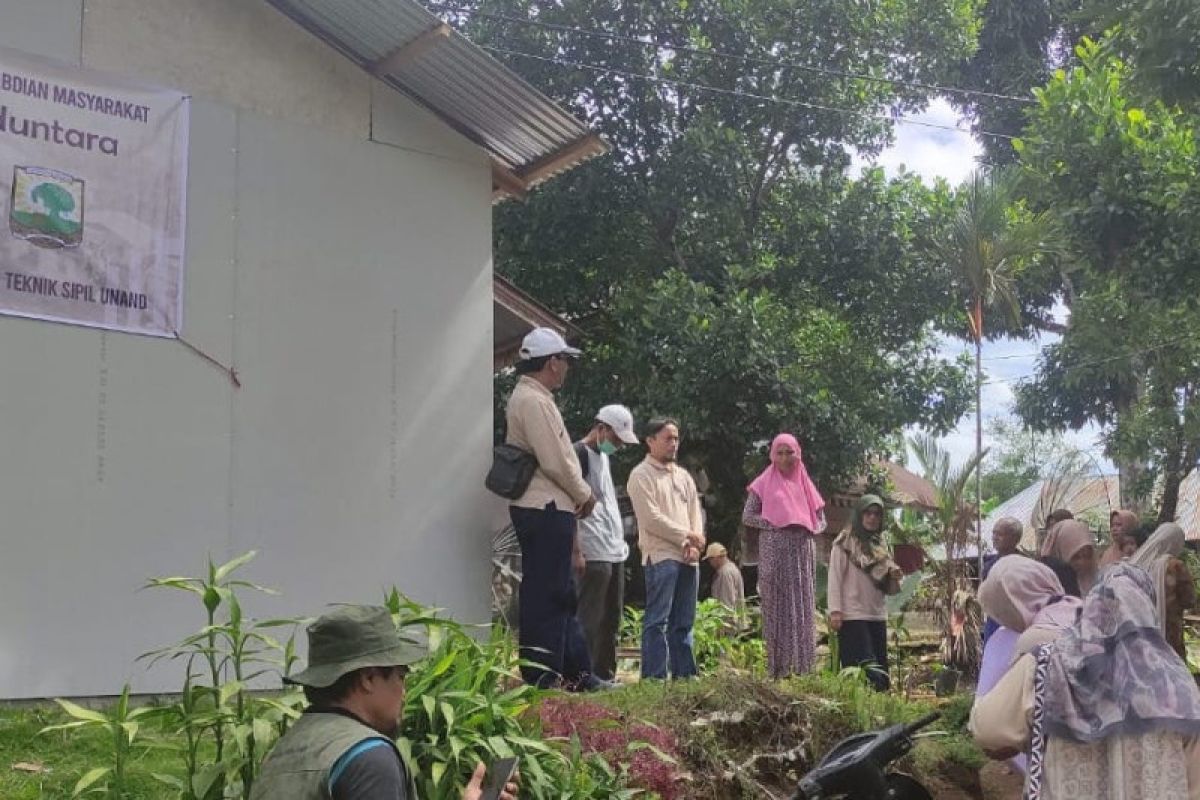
584 462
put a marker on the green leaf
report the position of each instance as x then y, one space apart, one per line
169 780
89 778
79 712
229 566
228 690
264 732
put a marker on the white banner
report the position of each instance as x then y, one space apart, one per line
93 178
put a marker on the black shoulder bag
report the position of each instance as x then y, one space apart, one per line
511 472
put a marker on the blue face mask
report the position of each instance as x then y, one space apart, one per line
608 448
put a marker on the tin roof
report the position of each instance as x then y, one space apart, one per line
1080 496
516 314
909 490
1187 513
529 137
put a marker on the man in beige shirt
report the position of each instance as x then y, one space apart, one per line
670 536
545 518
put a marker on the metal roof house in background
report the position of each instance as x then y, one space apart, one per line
530 138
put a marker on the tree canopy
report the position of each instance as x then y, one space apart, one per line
724 266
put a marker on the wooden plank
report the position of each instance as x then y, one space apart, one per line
508 182
563 158
412 50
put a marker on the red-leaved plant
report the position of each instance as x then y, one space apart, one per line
649 753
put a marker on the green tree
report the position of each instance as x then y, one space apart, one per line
1122 172
723 266
1019 456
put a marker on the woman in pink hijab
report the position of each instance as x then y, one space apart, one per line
786 507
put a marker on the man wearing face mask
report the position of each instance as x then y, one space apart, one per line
602 540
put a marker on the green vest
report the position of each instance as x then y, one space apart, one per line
298 767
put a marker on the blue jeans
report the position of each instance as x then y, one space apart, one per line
670 613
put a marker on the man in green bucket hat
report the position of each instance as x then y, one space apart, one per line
342 747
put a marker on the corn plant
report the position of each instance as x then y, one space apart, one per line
220 661
122 724
466 703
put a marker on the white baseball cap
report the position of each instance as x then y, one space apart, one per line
620 419
541 342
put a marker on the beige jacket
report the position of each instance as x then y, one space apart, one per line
536 426
667 507
852 592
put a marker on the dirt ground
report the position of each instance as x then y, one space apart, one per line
995 782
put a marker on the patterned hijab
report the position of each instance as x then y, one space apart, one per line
1155 556
866 549
1114 673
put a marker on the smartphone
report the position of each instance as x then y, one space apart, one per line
498 776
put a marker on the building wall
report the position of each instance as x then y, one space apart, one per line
339 256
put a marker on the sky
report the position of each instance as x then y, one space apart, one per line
934 153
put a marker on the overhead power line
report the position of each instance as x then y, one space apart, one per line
726 55
1101 361
747 95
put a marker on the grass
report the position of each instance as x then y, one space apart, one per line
67 755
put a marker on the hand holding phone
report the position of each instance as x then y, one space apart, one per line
499 775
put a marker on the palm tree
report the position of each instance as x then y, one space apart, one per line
953 521
990 242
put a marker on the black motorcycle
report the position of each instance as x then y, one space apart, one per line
856 769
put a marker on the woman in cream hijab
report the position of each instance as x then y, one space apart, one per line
1071 542
1173 586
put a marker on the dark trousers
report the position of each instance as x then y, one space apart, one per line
550 633
601 601
863 643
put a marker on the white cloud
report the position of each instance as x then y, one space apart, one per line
929 152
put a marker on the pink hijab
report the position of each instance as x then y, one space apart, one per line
791 498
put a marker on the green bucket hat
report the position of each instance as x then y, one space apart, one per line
350 638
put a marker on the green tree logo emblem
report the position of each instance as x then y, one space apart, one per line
47 207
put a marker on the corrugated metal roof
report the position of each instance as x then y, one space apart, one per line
1032 504
1102 495
412 50
1187 513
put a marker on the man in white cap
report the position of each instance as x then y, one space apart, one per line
727 583
545 519
602 540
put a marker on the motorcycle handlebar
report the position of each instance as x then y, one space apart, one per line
928 719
